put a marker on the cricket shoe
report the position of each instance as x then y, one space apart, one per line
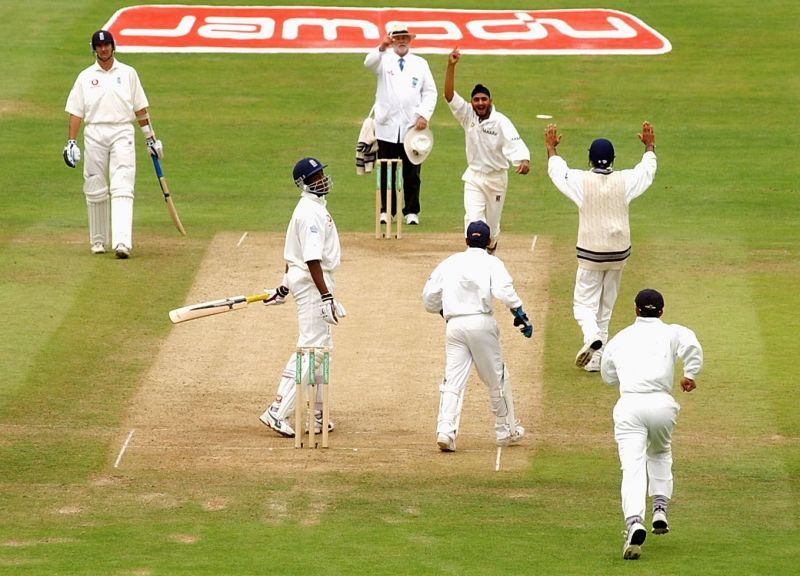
594 364
446 442
512 439
98 248
633 541
587 351
412 219
122 251
282 427
318 423
660 524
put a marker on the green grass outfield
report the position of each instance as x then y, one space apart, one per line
717 232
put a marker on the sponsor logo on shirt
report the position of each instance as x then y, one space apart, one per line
179 28
489 132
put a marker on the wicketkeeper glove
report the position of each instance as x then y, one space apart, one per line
521 319
72 154
276 295
154 147
331 310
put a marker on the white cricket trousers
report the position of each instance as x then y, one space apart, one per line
643 426
313 332
474 339
593 301
109 170
484 196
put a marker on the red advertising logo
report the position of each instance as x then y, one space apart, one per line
174 28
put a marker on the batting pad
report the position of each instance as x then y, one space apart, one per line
98 208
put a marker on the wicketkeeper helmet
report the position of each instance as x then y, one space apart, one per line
303 172
103 37
601 154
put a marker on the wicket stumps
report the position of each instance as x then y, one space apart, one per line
305 399
393 168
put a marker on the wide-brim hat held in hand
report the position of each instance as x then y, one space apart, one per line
418 144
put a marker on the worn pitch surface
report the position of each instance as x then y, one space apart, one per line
199 404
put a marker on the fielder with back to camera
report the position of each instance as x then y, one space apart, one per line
107 96
640 360
312 253
461 289
602 196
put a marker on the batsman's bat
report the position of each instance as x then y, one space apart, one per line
167 198
212 307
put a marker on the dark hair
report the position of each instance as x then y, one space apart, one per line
480 89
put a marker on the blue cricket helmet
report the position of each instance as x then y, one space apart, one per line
601 154
103 37
303 171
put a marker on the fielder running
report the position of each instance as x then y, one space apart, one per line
492 143
640 360
312 254
461 290
107 97
604 236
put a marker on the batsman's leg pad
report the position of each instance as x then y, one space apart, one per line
122 207
286 389
97 205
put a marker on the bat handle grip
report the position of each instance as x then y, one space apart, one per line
157 166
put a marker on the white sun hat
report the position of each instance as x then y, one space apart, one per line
418 144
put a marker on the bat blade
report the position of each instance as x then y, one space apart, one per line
212 307
162 182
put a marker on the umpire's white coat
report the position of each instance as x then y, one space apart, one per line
401 95
462 287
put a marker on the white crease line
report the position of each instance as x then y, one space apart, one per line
533 244
122 450
241 239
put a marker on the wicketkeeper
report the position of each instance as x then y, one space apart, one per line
461 289
312 253
107 97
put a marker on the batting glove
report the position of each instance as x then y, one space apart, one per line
72 154
521 319
154 147
276 296
331 310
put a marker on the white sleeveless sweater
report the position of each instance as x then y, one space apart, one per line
604 235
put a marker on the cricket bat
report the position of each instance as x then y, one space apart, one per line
167 198
203 309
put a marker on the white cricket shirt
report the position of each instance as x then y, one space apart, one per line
465 282
312 235
490 144
107 97
570 181
402 95
641 358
